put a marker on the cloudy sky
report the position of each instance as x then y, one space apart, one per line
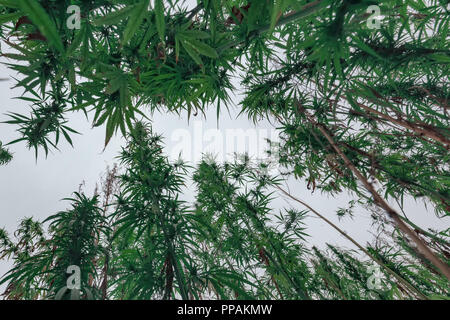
36 188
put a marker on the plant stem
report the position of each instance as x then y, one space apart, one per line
410 126
195 10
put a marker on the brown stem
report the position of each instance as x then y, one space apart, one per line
441 102
410 126
445 270
265 260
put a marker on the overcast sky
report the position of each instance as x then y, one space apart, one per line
35 188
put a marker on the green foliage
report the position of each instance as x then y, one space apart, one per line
356 107
146 243
5 155
40 262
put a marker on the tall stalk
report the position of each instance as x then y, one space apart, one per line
380 201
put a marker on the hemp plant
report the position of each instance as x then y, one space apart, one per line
229 242
361 102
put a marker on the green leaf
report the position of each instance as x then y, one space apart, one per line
441 58
66 135
276 13
9 16
191 51
203 48
160 22
111 126
9 3
40 18
114 17
76 41
135 20
366 48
